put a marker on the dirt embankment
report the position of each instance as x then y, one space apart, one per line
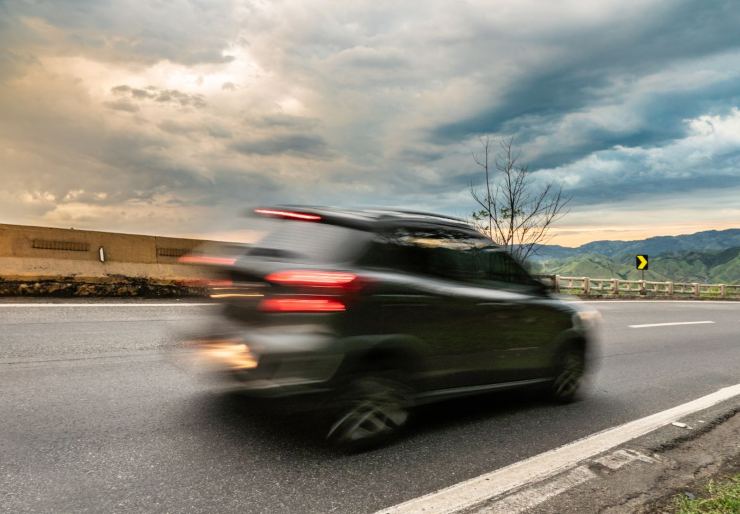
682 460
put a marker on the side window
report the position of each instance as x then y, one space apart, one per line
448 254
385 253
444 253
456 264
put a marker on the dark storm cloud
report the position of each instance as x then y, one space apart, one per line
585 77
662 121
635 185
637 177
289 144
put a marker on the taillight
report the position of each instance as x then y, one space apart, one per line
312 278
301 305
318 291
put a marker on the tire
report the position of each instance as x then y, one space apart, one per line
372 411
570 368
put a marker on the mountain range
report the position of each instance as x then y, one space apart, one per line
712 256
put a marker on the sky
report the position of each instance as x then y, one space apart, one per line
173 117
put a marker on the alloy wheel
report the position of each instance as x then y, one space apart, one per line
570 375
373 410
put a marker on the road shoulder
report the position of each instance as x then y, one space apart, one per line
643 475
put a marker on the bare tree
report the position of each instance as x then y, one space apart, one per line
512 211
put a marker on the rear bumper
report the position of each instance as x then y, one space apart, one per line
267 363
271 388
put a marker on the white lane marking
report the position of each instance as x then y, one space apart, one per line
530 497
648 325
534 469
2 305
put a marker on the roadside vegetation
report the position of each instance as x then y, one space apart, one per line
720 498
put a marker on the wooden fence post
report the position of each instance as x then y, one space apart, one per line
615 286
696 289
669 288
722 291
586 285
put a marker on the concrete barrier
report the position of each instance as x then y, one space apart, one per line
42 260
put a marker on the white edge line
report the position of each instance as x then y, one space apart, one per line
3 305
534 469
530 498
646 325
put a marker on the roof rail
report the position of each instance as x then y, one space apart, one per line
432 215
369 213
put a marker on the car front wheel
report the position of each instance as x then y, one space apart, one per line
569 372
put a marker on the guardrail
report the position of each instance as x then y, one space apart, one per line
615 287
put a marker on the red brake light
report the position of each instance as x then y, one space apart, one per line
313 278
206 259
288 214
301 305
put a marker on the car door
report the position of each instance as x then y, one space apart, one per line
470 312
429 302
520 352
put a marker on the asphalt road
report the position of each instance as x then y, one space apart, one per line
94 416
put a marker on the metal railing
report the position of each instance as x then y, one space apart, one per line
616 287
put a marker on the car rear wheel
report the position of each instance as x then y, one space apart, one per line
373 409
569 372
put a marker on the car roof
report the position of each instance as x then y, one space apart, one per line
368 218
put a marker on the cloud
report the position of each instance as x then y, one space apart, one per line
286 121
217 104
291 144
122 105
615 64
156 94
127 30
706 158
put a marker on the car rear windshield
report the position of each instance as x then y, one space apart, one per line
314 242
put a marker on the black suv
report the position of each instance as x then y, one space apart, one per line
371 312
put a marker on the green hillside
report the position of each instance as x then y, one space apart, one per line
706 241
705 267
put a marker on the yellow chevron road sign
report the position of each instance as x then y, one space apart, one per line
641 261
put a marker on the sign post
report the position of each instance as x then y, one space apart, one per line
641 263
